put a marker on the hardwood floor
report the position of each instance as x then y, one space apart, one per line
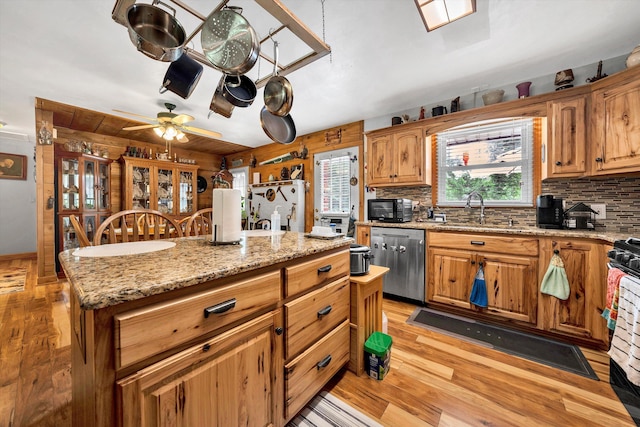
435 380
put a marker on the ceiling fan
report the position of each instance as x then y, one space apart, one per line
170 125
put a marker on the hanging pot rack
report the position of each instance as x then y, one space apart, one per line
275 8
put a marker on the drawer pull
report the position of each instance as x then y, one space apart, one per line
220 308
477 242
279 331
324 362
324 311
324 269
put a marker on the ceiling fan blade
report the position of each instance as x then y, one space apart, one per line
203 132
181 119
139 127
152 119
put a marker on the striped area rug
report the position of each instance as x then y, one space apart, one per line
326 410
12 280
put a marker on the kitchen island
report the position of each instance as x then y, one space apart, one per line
200 334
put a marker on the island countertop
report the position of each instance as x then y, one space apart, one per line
101 282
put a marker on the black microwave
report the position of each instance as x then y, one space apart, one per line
389 210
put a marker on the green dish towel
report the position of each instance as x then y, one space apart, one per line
555 280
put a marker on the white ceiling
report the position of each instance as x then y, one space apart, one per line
383 60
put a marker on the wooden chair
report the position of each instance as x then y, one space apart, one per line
83 240
200 223
136 225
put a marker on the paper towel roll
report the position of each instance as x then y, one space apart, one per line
227 221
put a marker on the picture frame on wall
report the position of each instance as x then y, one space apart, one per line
297 172
13 166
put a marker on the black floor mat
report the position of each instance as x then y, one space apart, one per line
542 350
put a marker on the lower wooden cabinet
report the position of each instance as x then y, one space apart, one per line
580 315
363 235
511 280
226 381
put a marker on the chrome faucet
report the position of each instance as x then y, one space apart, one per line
475 193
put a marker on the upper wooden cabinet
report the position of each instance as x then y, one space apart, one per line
565 153
157 184
615 124
397 158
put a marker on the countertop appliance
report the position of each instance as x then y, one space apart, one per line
403 251
389 210
549 212
360 259
289 195
625 256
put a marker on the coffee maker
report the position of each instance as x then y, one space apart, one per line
549 213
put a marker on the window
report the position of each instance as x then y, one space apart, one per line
493 158
240 180
334 185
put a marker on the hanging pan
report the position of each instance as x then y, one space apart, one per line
278 93
155 32
239 90
279 128
229 43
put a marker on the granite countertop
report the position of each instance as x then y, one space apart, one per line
106 281
522 231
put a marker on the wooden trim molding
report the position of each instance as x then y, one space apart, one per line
25 255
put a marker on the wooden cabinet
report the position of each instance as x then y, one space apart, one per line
316 330
580 315
224 381
615 124
83 186
397 158
565 153
363 235
510 267
168 187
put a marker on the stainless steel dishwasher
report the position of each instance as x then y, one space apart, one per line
403 251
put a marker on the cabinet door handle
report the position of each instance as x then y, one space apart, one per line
558 163
477 242
324 362
220 308
324 311
599 159
279 331
473 262
324 269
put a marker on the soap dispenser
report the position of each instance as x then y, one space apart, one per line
275 220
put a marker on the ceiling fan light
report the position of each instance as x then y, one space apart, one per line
170 132
159 131
181 137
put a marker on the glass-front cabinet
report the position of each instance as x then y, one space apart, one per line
158 184
83 189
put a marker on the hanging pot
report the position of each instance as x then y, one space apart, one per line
239 90
219 104
279 129
182 76
155 32
278 93
229 42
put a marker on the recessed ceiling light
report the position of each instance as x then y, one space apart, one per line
2 124
436 13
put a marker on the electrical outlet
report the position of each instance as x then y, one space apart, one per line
601 211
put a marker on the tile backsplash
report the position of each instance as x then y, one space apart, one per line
620 194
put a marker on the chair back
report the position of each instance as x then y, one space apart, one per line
83 240
136 225
199 223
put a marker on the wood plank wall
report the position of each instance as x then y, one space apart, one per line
347 135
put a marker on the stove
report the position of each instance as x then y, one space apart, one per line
625 255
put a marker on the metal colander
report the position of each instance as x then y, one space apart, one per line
229 42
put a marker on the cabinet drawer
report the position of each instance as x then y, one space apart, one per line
485 243
311 316
151 330
308 274
307 373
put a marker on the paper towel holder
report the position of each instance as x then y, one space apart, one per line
214 242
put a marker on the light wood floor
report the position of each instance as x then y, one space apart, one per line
435 380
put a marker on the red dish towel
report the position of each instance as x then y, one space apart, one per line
613 291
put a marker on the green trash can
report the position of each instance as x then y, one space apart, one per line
377 355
